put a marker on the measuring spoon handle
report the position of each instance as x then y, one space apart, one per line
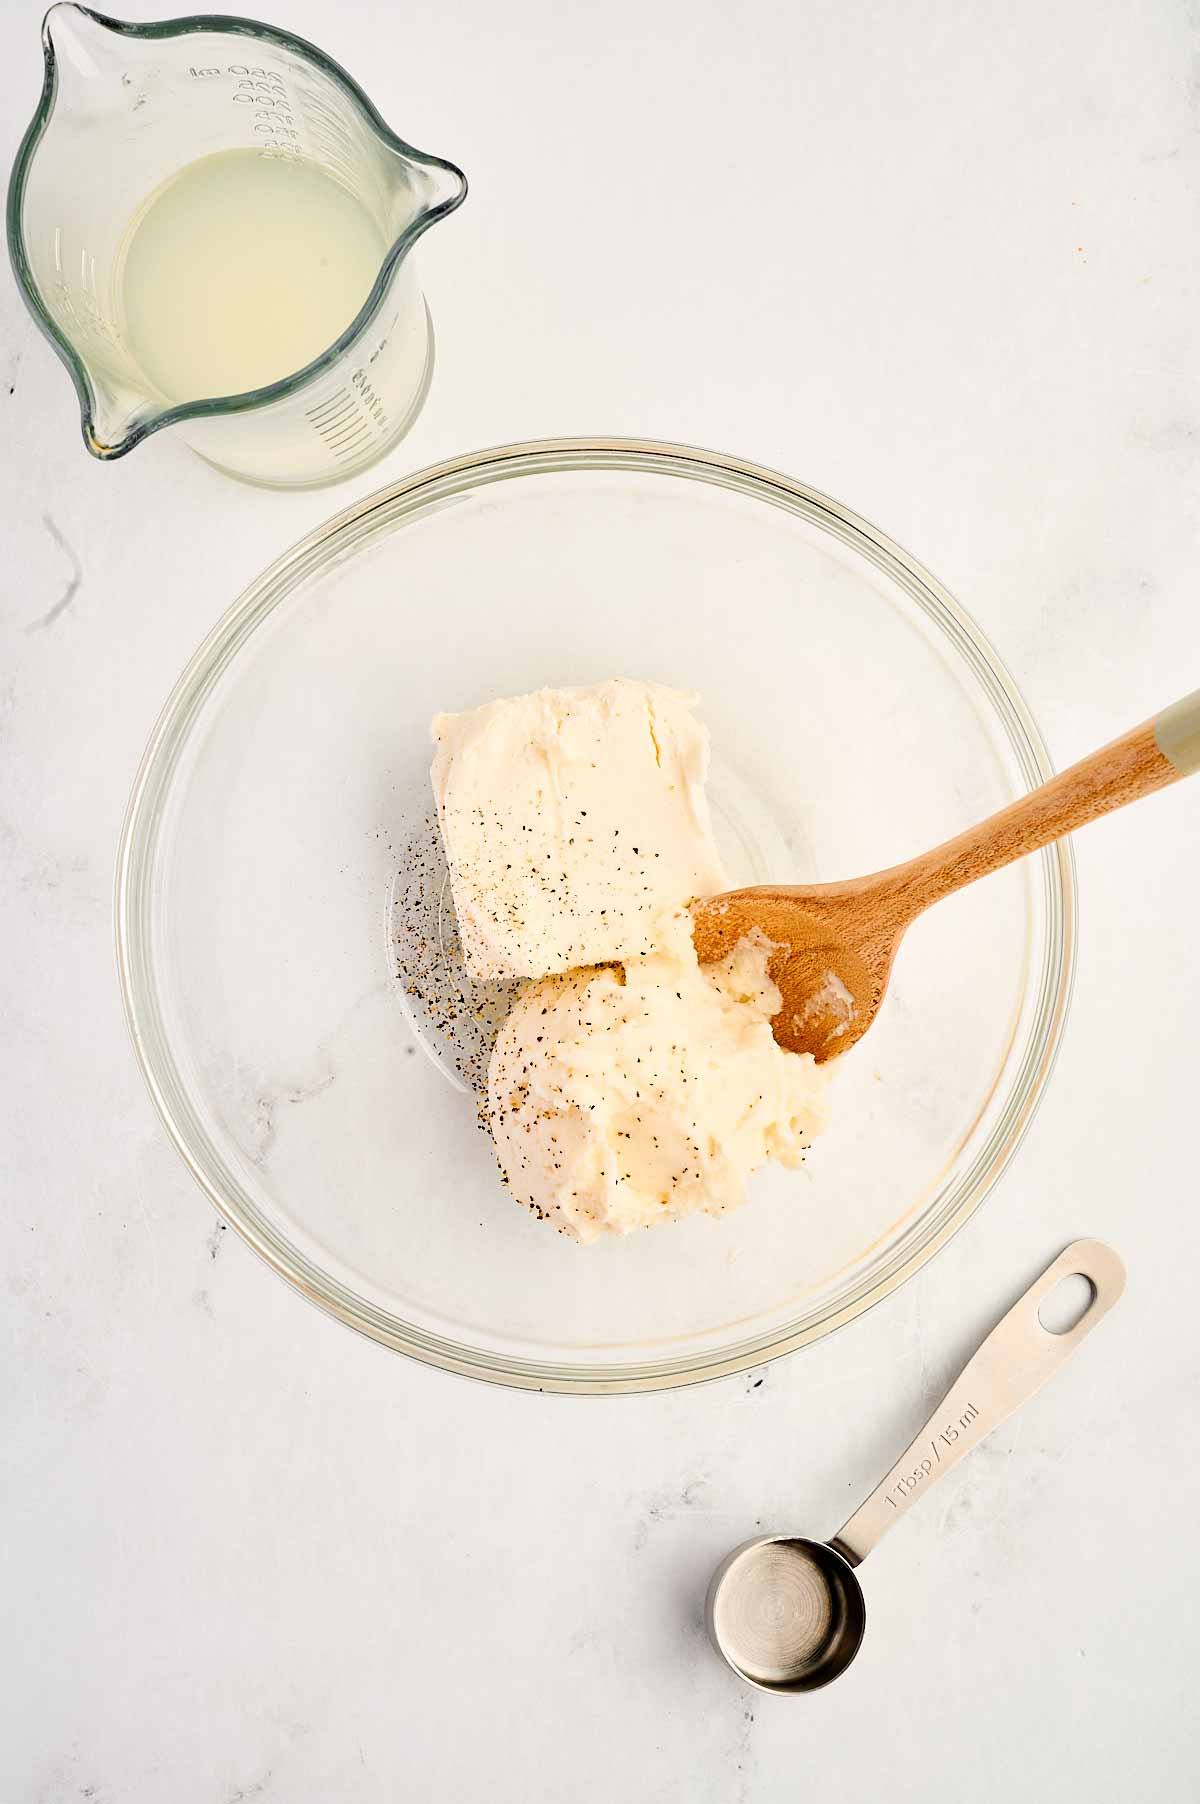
1015 1360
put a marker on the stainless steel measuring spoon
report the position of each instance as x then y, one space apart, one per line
787 1614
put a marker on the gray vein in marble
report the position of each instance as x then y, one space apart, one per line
665 1505
267 1103
265 1099
144 1213
1176 434
242 1793
72 589
743 1749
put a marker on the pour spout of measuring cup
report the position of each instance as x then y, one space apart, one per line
1016 1359
427 185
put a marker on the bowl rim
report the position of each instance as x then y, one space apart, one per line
391 505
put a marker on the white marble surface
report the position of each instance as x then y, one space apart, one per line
940 260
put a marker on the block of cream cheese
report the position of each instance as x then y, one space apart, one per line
571 818
619 1099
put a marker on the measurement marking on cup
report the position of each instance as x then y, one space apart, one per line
352 445
342 399
351 419
945 1437
331 421
346 422
349 436
339 423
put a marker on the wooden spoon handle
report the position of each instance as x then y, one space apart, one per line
1158 752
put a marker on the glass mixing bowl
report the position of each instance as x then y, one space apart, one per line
857 716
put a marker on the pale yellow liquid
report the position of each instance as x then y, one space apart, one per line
240 270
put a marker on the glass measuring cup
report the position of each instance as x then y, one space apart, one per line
788 1614
124 107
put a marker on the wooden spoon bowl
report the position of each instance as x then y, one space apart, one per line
830 957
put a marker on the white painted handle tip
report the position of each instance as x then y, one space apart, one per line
1177 734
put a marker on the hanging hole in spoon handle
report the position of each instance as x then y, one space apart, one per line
1014 1361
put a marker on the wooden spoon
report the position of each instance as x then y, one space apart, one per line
833 943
